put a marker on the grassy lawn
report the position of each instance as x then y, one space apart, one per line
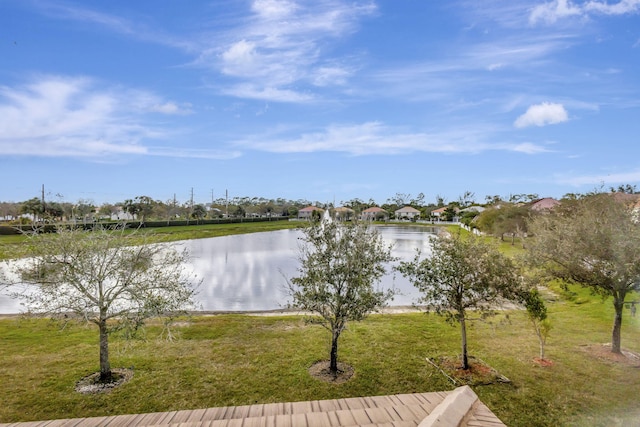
238 359
15 246
241 359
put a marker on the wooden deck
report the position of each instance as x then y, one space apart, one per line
460 407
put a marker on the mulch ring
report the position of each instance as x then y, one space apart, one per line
543 362
91 384
603 352
479 372
320 370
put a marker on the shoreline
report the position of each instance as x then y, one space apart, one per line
274 312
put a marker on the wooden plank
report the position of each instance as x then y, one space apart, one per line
287 408
180 417
419 411
253 422
328 405
430 401
167 417
354 403
346 418
333 419
380 401
392 414
212 414
283 421
256 411
378 415
116 421
196 415
299 420
403 412
361 417
408 399
301 407
318 419
152 418
219 423
235 422
238 412
273 409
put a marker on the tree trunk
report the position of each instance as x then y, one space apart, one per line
618 304
465 357
105 366
541 341
333 364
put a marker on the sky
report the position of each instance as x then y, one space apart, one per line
323 100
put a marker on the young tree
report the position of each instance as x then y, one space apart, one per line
460 275
340 263
537 314
102 278
593 241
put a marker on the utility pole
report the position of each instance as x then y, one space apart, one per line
190 207
226 203
43 205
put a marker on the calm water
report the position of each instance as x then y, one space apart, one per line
249 271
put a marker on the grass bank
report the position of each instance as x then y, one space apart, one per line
240 359
15 246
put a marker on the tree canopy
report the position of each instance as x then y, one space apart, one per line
593 241
461 274
111 279
340 264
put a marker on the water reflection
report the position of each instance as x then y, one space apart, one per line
249 271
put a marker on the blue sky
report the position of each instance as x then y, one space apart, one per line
321 100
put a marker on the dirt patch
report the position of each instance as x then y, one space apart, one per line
91 384
320 370
603 352
543 362
478 373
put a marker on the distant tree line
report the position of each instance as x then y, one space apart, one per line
504 217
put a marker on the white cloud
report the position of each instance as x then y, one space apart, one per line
267 93
171 108
542 115
54 116
552 11
282 46
529 148
120 25
599 179
273 9
374 138
555 10
620 8
331 75
240 58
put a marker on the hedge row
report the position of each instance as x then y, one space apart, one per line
49 228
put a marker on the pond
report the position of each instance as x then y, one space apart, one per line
249 272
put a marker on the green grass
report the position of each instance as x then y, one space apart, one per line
16 246
237 359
